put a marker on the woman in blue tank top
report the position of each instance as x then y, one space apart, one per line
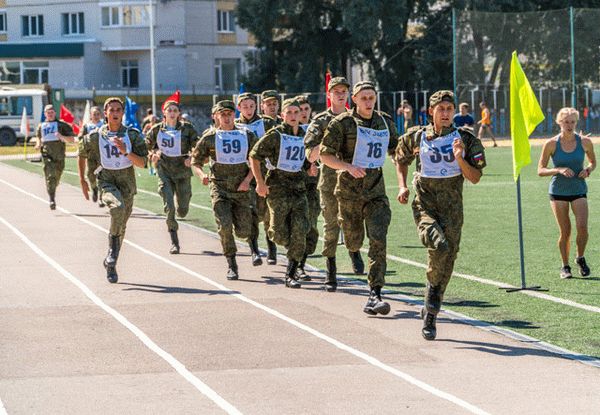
568 188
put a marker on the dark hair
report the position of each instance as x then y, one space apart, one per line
149 111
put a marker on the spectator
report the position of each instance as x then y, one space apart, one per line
463 118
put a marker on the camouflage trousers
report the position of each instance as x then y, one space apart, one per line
375 216
260 213
314 209
289 222
91 176
176 195
119 207
331 226
439 229
53 170
233 213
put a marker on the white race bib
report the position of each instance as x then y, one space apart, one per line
231 147
169 142
110 156
49 131
291 153
437 157
371 146
257 127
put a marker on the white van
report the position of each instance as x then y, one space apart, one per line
12 101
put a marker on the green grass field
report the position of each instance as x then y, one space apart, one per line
489 250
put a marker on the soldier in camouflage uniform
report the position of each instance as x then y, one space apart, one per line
355 144
284 186
170 144
51 136
95 123
226 149
117 149
269 105
445 157
312 194
259 125
338 95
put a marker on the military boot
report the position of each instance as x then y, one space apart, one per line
95 194
429 330
174 242
301 273
272 252
52 201
110 262
232 272
358 266
433 299
331 278
375 305
290 275
256 259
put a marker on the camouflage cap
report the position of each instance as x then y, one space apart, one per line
361 86
49 107
338 80
225 105
290 102
269 94
441 96
113 99
245 95
302 99
213 109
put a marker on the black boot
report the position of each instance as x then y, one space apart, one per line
429 330
433 299
110 262
52 202
301 273
290 274
331 278
272 252
256 259
174 243
375 305
358 266
232 272
95 195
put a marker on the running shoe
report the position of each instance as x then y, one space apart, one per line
584 270
565 272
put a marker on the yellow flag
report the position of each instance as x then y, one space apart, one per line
525 115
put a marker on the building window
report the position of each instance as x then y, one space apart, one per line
127 15
129 73
227 72
10 72
225 21
32 25
72 24
2 22
35 72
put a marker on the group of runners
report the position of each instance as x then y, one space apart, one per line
284 169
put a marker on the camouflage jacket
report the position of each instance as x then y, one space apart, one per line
124 179
174 167
55 149
433 191
340 139
224 176
279 181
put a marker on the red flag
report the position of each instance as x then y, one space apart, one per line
175 97
67 116
327 79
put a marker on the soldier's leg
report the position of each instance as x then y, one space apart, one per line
314 209
242 215
253 228
265 215
119 209
183 196
299 225
430 232
279 214
92 180
223 210
377 214
352 223
331 227
52 172
166 190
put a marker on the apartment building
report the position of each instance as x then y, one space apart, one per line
102 45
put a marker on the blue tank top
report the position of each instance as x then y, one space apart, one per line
565 186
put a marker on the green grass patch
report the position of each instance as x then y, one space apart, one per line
489 249
20 150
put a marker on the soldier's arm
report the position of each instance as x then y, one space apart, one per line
200 155
470 167
261 150
312 140
82 133
404 157
81 165
38 137
332 141
65 133
139 152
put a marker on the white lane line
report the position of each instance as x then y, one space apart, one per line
357 353
2 409
174 363
473 278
